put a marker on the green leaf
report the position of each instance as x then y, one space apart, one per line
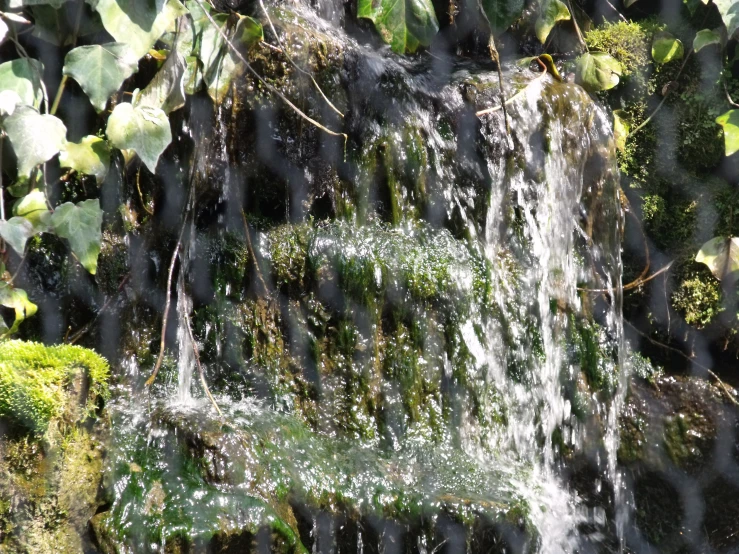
3 30
138 23
58 26
9 99
721 255
80 224
100 69
90 156
729 10
249 31
17 300
550 12
35 138
501 13
167 89
143 129
17 4
597 71
705 38
665 48
403 24
23 76
16 232
730 122
621 128
34 208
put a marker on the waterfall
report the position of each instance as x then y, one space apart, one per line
418 355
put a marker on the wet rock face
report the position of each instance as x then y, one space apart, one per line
51 446
679 439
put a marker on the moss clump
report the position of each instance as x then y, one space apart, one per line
628 42
698 296
34 380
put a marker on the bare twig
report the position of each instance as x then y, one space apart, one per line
284 50
721 384
200 367
173 261
251 251
63 82
728 98
268 86
487 111
616 10
577 27
79 334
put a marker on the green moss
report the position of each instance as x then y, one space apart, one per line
698 295
34 380
628 42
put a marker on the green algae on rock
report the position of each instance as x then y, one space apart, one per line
36 382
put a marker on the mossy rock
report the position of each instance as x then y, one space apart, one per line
40 383
52 455
256 471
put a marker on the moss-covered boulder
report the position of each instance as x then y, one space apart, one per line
680 447
51 446
190 479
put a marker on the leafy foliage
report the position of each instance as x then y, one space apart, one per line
666 48
404 24
721 255
143 129
80 224
100 69
35 138
597 71
550 12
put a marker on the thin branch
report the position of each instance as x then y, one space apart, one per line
723 386
284 50
616 10
268 86
141 196
200 367
496 57
728 97
487 111
65 78
636 283
172 263
251 251
577 27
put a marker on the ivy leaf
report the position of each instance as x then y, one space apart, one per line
249 31
501 13
143 129
35 138
33 207
597 71
730 122
167 89
3 30
550 12
17 4
54 25
9 99
665 48
16 232
621 128
100 69
80 224
403 24
706 37
729 10
23 76
90 156
138 23
17 300
721 255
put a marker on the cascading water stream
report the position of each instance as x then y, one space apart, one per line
432 352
